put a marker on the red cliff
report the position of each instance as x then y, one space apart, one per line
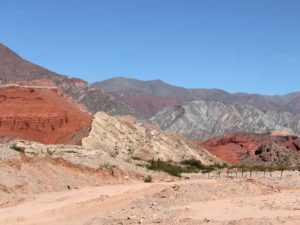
234 148
41 114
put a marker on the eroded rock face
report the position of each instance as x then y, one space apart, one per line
236 147
272 154
128 138
41 114
201 120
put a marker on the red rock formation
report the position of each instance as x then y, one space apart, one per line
233 148
41 114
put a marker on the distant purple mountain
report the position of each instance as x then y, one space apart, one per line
135 92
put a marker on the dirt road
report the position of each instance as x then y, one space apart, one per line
74 206
184 202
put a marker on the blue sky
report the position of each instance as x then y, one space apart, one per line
237 45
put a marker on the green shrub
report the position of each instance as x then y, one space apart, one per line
148 179
198 164
17 148
136 158
50 152
220 166
185 166
170 168
208 169
166 167
193 163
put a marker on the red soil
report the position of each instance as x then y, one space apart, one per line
233 148
41 114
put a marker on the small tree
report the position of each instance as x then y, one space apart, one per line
148 179
281 169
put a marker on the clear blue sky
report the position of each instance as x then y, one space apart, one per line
236 45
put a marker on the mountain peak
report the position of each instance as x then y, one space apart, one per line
13 68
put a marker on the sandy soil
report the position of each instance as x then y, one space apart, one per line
196 201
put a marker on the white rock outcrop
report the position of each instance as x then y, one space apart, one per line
128 138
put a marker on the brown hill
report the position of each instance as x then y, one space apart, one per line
132 87
41 114
149 105
234 148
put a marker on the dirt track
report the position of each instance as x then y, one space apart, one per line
214 202
75 206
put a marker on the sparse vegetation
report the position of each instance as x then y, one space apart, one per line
71 151
148 179
195 166
186 166
259 168
167 167
193 162
50 152
136 158
107 166
140 165
17 148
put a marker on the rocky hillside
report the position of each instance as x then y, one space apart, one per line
271 154
95 100
128 138
201 120
149 97
149 105
46 168
235 147
13 68
41 114
131 87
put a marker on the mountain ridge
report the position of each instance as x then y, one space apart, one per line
130 79
13 68
128 87
200 120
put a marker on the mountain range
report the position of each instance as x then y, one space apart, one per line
201 114
130 90
195 113
202 120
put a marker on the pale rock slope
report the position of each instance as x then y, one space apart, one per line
128 138
31 168
200 120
